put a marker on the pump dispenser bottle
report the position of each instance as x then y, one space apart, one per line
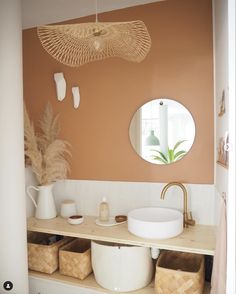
104 210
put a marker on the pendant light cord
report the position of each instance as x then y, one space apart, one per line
96 5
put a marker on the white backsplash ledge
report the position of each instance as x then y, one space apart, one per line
125 196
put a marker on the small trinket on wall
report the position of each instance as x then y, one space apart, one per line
222 104
76 97
60 85
223 151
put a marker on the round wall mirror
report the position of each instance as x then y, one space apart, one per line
162 131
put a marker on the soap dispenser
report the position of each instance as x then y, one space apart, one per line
104 210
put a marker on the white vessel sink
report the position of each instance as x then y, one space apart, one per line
155 222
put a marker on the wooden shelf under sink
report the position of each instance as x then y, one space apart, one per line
90 283
197 239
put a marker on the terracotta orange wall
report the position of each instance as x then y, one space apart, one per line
179 66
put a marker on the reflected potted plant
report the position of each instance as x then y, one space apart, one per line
48 157
172 154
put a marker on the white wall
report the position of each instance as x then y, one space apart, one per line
13 246
124 196
221 83
231 230
224 50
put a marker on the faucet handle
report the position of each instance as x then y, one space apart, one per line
190 216
190 219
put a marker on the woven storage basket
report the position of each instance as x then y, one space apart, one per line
75 259
44 258
179 273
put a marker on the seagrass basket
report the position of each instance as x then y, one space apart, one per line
179 273
41 256
75 259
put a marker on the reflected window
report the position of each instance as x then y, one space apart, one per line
162 131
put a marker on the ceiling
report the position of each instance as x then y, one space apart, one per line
41 12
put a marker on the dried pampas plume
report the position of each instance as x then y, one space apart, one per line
46 154
49 127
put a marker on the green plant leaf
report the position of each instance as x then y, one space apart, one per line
160 159
171 155
181 156
180 153
178 143
163 157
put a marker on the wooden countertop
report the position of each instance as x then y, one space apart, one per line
198 239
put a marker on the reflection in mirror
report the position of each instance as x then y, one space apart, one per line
162 131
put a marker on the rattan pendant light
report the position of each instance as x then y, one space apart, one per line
77 44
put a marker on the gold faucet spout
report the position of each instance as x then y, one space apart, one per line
186 220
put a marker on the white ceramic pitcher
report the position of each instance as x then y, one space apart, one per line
45 206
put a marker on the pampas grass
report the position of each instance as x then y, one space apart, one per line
46 154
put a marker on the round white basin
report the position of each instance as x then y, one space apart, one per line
155 222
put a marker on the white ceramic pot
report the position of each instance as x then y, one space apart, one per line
121 268
68 208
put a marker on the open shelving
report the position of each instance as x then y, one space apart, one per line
199 239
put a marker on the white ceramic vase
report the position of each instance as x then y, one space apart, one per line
45 205
121 268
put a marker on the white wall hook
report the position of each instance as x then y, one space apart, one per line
76 96
60 85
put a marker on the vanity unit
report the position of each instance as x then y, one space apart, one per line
198 239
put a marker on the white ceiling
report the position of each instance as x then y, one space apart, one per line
39 12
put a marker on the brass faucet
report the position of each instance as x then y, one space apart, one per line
187 217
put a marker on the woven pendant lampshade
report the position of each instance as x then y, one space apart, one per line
77 44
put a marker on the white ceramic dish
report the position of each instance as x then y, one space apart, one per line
75 219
